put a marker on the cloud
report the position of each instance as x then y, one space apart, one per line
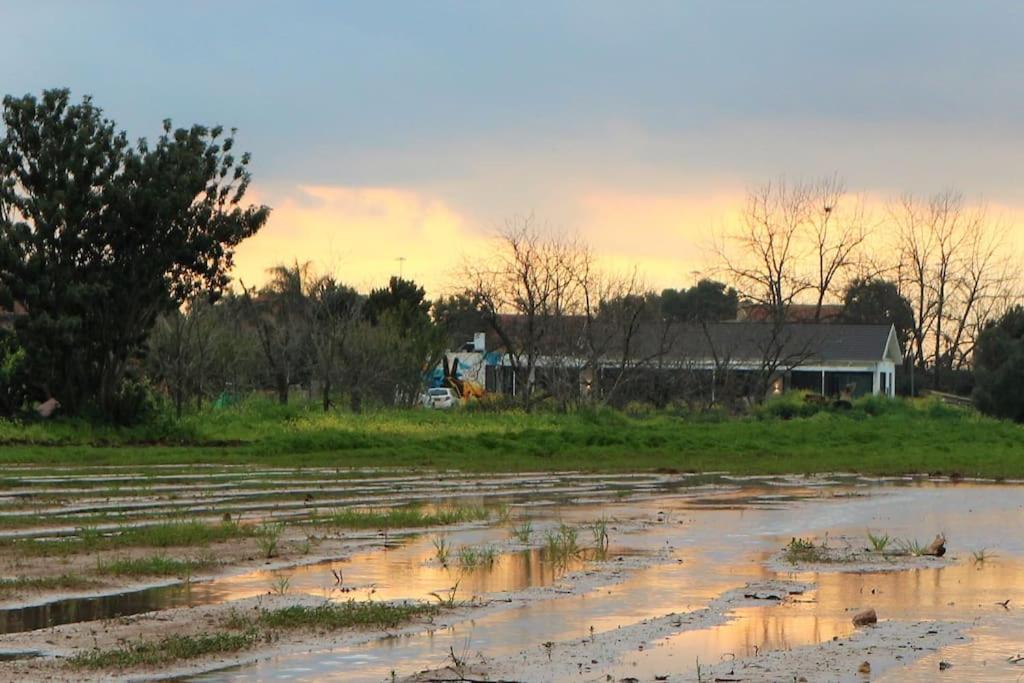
359 234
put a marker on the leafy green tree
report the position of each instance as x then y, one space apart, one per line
877 302
403 298
999 367
707 301
99 236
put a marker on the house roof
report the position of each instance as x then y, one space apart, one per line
807 342
743 342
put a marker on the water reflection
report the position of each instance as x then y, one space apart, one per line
72 610
721 544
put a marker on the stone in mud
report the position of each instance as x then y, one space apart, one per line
864 668
936 548
865 617
944 665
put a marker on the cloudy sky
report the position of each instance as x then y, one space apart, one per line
386 130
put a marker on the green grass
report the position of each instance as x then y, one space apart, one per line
561 544
880 542
166 535
404 517
164 651
334 616
155 565
801 550
20 584
475 557
878 436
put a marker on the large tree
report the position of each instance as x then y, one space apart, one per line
879 302
999 364
706 301
99 236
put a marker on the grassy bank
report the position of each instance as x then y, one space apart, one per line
877 436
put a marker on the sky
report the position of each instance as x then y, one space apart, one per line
400 136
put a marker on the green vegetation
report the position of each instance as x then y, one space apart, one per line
911 546
523 531
561 544
999 366
267 536
333 616
802 550
404 517
880 542
877 436
40 583
441 550
155 565
473 557
599 530
164 651
166 535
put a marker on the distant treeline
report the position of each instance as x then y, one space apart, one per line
115 262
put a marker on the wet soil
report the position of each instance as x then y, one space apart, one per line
693 585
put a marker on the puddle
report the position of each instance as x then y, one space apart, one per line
407 571
709 535
72 610
722 540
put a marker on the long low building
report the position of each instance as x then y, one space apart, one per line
831 359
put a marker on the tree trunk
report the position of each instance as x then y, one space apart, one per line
327 395
355 402
282 390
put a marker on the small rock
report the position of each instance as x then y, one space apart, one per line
936 548
864 668
944 665
864 618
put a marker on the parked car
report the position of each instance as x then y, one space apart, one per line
441 398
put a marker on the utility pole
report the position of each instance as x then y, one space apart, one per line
401 265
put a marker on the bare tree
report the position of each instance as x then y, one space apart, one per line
954 269
837 231
279 313
526 293
795 240
334 311
615 310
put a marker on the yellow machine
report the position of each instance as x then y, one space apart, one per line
465 389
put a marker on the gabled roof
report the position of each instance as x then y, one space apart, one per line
737 342
821 343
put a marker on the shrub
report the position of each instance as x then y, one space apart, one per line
787 406
12 374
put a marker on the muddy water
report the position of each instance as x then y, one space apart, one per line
716 542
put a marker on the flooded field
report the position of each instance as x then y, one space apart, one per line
545 577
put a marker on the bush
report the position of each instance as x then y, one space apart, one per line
787 406
876 405
12 375
134 403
